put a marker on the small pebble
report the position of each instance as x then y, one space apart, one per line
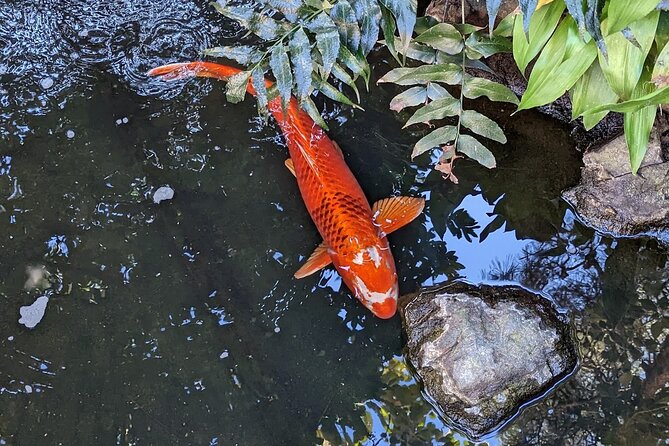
70 134
163 193
28 388
46 83
124 120
31 315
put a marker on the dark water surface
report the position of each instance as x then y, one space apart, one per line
180 322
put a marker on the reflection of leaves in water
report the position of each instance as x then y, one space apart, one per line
507 269
399 416
461 224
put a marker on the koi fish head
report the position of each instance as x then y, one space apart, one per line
369 272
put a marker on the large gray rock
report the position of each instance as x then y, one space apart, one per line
611 199
482 352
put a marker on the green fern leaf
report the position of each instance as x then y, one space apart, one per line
300 56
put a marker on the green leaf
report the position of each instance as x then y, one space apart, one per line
357 66
487 46
344 17
405 17
562 62
264 26
638 125
258 81
409 98
280 66
288 8
505 27
527 7
469 63
300 56
242 15
311 109
236 88
482 125
438 109
442 135
388 28
660 76
623 12
336 95
476 151
327 41
368 14
420 52
475 87
424 23
592 24
654 98
542 25
590 91
436 91
625 61
341 74
242 54
492 6
443 37
448 73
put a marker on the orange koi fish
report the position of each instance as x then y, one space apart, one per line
354 234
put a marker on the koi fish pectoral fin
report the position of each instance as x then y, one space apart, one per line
291 166
318 260
395 212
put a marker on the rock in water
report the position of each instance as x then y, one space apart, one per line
611 199
484 351
163 193
31 315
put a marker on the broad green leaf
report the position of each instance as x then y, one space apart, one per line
341 74
424 23
469 63
327 41
542 25
476 151
300 56
236 89
590 91
593 11
344 17
492 6
358 67
505 27
409 98
436 91
654 98
625 61
662 32
405 17
482 125
660 76
264 26
623 12
388 28
638 125
336 95
242 54
561 63
395 74
442 135
422 53
286 7
475 87
527 7
280 66
438 109
368 14
486 46
242 15
448 73
311 109
258 82
443 37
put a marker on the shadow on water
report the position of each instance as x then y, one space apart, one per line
180 322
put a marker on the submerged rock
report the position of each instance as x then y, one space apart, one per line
482 352
32 314
163 193
611 199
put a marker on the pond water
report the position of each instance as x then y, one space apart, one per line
180 322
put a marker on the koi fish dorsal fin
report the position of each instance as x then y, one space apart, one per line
290 165
318 260
395 212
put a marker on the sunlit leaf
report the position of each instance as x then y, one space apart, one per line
438 109
542 25
388 28
286 7
575 8
637 126
424 23
436 91
368 14
341 74
492 6
488 46
475 87
561 63
660 76
327 40
471 147
657 97
505 27
336 95
242 15
482 125
625 61
590 91
409 98
405 17
442 135
527 7
300 56
236 88
242 54
448 73
443 37
308 106
264 26
358 67
344 17
623 12
280 66
258 82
